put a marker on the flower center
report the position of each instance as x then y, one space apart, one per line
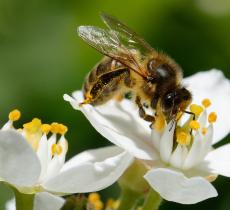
190 141
185 133
183 138
34 130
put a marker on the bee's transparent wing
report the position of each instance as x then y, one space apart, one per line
130 38
118 43
106 41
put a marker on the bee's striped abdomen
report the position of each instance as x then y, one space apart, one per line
104 81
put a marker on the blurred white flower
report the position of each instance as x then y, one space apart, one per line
32 160
181 164
42 201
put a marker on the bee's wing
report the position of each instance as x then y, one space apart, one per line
119 43
131 38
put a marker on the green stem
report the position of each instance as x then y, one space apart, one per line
128 199
152 201
23 201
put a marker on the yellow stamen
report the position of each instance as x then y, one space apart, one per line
110 203
206 103
62 129
194 125
196 109
58 128
139 208
183 138
46 128
14 115
95 200
33 126
54 127
98 205
212 117
204 131
56 149
93 197
116 204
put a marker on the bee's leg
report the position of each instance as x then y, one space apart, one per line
87 100
142 112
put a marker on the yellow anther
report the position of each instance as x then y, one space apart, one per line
194 125
54 127
206 103
33 126
196 109
110 203
14 115
139 208
95 200
58 128
62 129
45 128
212 117
183 138
204 131
98 205
93 197
56 149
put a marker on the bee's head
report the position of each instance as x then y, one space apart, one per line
175 101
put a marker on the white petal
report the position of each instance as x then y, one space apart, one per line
42 154
219 160
10 204
53 168
46 201
64 145
203 119
93 155
213 85
176 159
19 165
156 137
174 186
52 140
7 126
91 173
120 124
207 141
194 153
166 142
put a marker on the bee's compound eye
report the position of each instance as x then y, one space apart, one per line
168 101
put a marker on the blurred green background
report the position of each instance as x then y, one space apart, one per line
41 58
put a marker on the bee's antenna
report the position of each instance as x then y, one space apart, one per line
191 113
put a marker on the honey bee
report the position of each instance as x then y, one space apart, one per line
132 65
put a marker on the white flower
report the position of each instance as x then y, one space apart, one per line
42 201
182 167
33 161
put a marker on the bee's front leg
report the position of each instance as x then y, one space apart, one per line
142 112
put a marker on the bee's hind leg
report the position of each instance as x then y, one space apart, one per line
142 112
87 100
